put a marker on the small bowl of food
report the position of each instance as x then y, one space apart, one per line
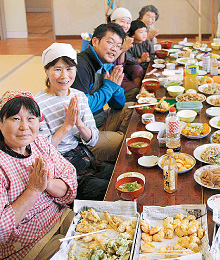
166 44
151 85
145 109
215 46
129 188
163 81
161 54
174 91
187 116
139 145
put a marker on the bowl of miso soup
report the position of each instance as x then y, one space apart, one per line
139 145
130 188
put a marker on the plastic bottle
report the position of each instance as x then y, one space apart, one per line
170 172
206 62
191 71
173 130
214 65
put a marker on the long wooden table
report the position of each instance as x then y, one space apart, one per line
189 192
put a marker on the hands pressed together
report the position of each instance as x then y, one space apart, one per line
127 44
152 33
116 75
144 57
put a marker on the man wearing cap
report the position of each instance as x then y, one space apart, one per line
101 88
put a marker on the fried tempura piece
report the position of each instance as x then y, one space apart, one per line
168 233
148 247
89 238
194 239
130 231
155 229
194 247
110 222
95 243
191 217
84 227
184 241
122 227
90 214
180 232
179 216
158 237
144 226
201 233
72 252
146 237
176 223
118 221
168 221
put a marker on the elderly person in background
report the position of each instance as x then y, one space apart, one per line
149 15
36 183
132 73
68 121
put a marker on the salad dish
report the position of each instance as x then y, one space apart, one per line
185 162
214 100
215 122
196 130
208 176
204 80
208 153
210 88
215 137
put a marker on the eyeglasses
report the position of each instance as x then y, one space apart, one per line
117 46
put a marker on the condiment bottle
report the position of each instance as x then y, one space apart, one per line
170 172
206 62
214 65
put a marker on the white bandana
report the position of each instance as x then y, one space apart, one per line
120 12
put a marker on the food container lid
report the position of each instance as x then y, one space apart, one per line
189 105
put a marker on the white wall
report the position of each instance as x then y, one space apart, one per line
38 5
15 19
176 16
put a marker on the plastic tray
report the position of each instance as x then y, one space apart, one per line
191 105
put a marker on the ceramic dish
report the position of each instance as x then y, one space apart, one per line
159 61
196 137
213 201
200 149
174 50
213 135
199 45
173 83
202 72
147 100
209 89
204 49
189 44
210 99
158 66
213 111
131 174
198 172
179 172
182 61
148 161
215 122
145 134
155 127
204 80
188 96
177 46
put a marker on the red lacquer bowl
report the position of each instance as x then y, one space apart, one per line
129 195
166 44
140 151
151 85
161 54
144 110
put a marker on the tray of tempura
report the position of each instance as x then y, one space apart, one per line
110 236
176 232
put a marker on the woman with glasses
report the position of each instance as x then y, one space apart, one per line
149 15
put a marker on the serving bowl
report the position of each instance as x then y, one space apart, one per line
135 145
145 109
174 91
166 44
187 116
151 85
215 45
129 195
161 54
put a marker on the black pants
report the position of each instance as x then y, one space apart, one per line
93 176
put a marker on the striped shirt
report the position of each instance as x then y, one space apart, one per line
52 107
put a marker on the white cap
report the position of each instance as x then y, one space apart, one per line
57 50
120 12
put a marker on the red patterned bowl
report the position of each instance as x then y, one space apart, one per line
166 44
161 54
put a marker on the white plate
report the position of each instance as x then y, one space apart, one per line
199 56
198 172
189 44
211 97
175 50
203 97
176 83
213 111
155 127
177 46
145 134
182 60
148 161
214 121
131 174
197 137
158 66
200 149
201 89
212 136
205 49
147 100
202 72
203 45
159 61
191 157
213 201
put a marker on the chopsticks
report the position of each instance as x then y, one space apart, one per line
82 235
170 252
143 105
